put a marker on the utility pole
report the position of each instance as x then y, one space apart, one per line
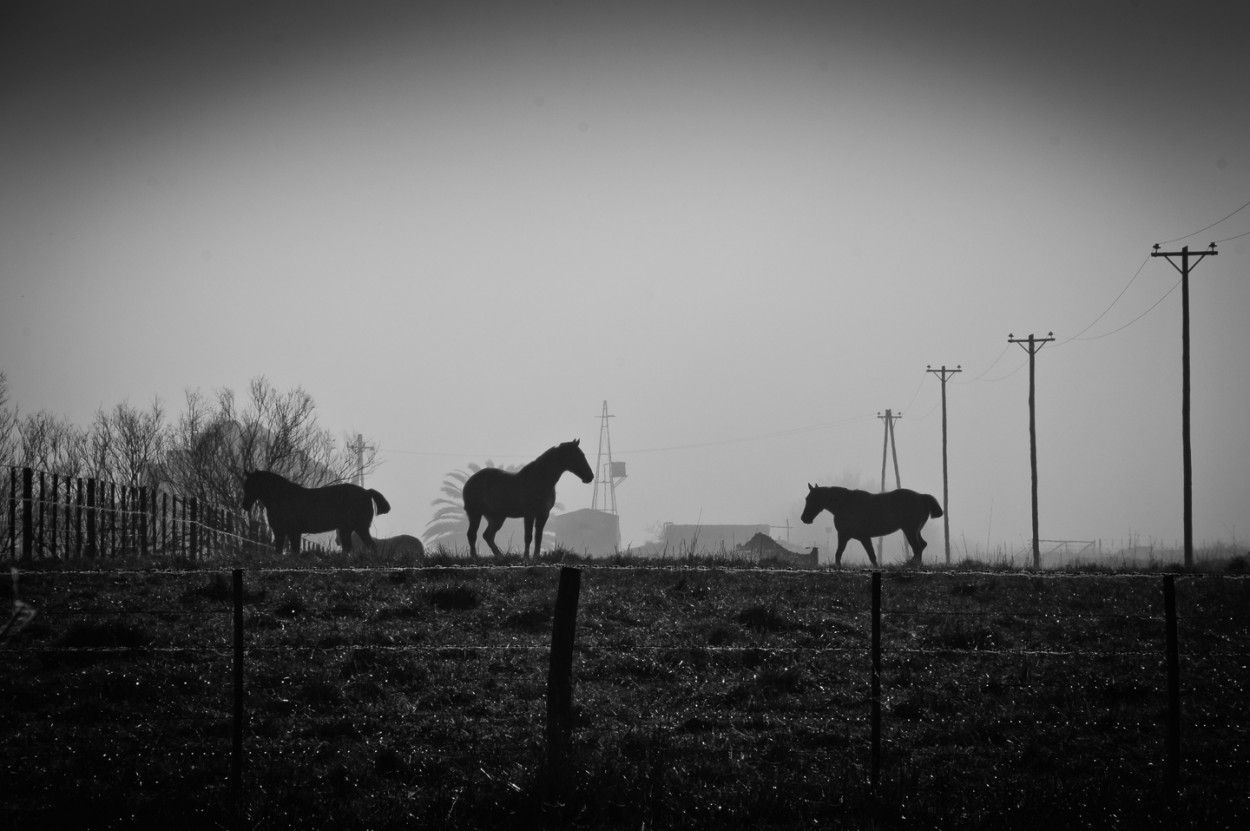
943 374
1032 344
1187 460
889 418
360 447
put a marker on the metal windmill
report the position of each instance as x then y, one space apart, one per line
608 474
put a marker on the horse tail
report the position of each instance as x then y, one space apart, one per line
384 506
935 508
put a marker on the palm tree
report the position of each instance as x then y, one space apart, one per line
449 526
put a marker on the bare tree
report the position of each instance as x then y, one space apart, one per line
8 423
127 445
216 443
52 444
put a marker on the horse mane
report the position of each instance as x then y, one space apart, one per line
545 457
272 478
266 485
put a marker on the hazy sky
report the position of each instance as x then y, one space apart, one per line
747 226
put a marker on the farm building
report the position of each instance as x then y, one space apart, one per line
714 540
764 549
586 531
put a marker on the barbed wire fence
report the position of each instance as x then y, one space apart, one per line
885 679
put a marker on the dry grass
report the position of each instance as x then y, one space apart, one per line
415 697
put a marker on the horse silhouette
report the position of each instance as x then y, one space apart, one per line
294 510
399 547
859 515
529 493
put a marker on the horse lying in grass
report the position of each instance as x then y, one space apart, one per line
294 510
398 547
859 515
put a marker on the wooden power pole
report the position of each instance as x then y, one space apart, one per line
359 447
943 374
1032 344
1186 458
889 418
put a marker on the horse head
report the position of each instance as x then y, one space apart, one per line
574 460
251 489
812 507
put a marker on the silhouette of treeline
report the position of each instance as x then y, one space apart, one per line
133 465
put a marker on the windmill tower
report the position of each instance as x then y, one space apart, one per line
608 474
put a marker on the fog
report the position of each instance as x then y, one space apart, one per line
748 227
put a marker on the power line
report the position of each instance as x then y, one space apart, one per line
1130 323
1132 279
1209 227
857 419
1233 237
915 394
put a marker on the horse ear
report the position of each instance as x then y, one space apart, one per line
577 442
810 486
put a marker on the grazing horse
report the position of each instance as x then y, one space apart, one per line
529 493
859 515
294 509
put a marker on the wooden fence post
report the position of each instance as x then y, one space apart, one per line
56 505
236 755
42 502
28 486
78 523
13 511
112 518
143 521
1174 686
123 519
560 676
93 547
876 680
195 529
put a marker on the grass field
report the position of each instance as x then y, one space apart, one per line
704 696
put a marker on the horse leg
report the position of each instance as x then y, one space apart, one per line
867 543
474 519
295 538
917 544
837 557
345 539
539 522
370 544
529 535
493 524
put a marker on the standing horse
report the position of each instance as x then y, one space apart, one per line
529 493
859 515
294 509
